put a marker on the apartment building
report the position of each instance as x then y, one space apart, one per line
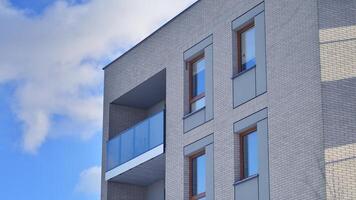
236 100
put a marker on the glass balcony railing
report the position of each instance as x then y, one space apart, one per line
135 141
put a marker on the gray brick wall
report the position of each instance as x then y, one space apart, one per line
337 31
124 117
119 191
300 122
294 98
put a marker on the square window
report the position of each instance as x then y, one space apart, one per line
198 176
246 37
197 83
249 153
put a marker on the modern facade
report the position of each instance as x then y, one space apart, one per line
236 99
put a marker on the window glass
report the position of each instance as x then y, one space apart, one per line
126 146
196 105
113 153
198 175
141 138
156 129
248 57
198 77
250 154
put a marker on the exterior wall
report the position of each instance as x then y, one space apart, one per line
298 118
119 191
337 32
204 18
155 191
156 108
294 100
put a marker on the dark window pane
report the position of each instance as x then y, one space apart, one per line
198 77
248 57
250 145
198 173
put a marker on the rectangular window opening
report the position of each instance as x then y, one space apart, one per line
246 47
197 173
248 153
197 83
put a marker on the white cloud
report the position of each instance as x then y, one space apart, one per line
54 60
89 181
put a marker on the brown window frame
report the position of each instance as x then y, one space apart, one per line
242 155
191 196
190 68
239 48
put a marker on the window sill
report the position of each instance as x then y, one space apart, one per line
245 179
192 113
243 72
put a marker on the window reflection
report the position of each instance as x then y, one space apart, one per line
198 79
197 83
250 154
198 165
247 48
198 104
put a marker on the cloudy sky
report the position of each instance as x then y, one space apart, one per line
51 83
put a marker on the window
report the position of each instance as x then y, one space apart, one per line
197 176
246 47
197 83
249 153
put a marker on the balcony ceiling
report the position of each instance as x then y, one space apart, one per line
144 174
147 94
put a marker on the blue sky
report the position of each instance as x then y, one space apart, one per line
36 7
51 86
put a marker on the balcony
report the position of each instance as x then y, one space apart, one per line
135 146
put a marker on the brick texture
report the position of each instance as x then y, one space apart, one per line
311 96
337 31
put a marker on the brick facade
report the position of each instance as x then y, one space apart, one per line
337 32
311 96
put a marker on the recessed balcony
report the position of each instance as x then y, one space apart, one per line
135 149
135 146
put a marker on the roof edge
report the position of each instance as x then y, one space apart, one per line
164 25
